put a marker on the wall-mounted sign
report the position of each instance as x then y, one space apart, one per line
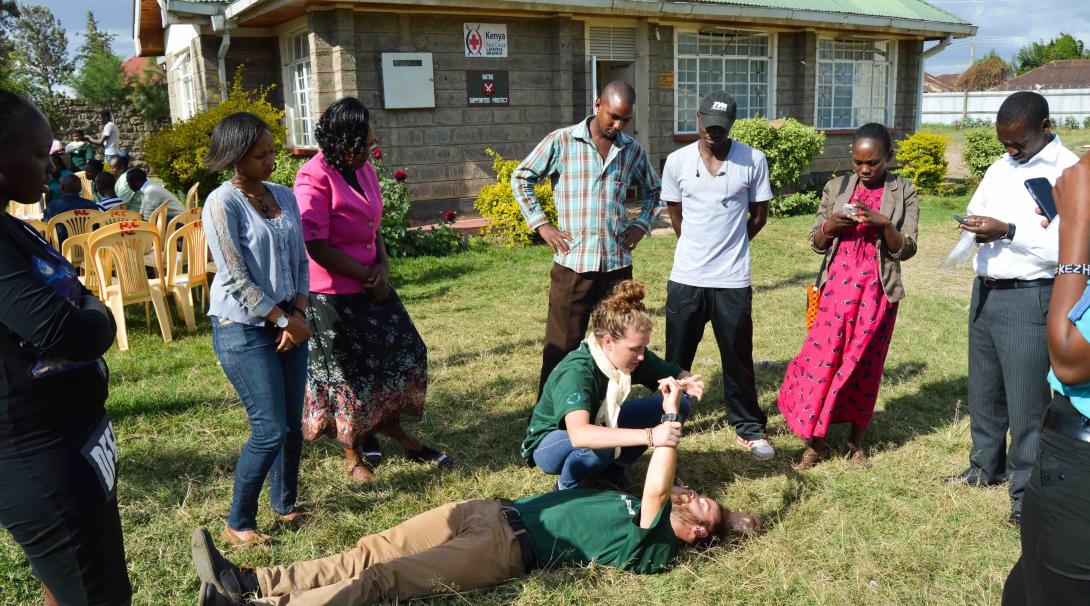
487 87
486 39
666 80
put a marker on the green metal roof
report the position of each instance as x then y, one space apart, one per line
915 10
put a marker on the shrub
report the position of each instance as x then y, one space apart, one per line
496 202
1071 122
1086 122
397 200
176 153
799 203
982 148
287 167
923 159
947 189
971 123
789 145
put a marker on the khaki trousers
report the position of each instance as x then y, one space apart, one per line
456 547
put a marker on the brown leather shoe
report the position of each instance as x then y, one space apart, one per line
253 538
810 457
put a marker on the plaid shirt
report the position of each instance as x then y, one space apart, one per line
589 194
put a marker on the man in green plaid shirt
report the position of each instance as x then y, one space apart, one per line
591 166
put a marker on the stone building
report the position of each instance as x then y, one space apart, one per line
446 79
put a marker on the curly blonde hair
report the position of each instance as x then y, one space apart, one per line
622 309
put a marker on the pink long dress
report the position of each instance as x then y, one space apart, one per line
835 377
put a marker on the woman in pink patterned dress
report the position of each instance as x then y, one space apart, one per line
865 227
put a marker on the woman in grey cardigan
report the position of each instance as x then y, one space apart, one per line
258 304
865 227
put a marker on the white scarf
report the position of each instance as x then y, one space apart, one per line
620 384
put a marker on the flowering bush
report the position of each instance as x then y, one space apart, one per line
399 239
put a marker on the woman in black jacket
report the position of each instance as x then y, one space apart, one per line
58 453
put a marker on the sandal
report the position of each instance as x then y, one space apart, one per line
429 455
295 515
371 450
809 458
361 473
256 539
857 458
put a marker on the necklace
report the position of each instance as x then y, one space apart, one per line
257 200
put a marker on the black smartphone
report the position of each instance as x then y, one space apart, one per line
1040 189
963 221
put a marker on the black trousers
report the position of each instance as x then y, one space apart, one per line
1055 565
730 310
1008 387
572 296
54 505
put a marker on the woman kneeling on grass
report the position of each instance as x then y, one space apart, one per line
582 426
865 227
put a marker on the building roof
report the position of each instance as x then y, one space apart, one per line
1066 73
913 10
943 83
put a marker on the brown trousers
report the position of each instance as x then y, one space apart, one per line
572 297
456 547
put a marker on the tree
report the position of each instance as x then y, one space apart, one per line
985 73
1036 54
99 81
95 41
9 11
43 46
148 93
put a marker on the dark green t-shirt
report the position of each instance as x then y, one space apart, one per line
577 384
600 526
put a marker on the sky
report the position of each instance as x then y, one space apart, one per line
1003 25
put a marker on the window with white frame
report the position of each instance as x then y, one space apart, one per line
730 60
300 81
853 82
187 87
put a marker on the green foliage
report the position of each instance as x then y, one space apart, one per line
397 200
1071 122
176 153
1036 54
1086 122
985 73
970 123
982 148
148 93
789 145
94 40
99 81
44 44
287 167
798 203
948 189
496 202
923 159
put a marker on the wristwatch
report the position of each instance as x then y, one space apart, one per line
282 322
670 417
1073 268
1010 232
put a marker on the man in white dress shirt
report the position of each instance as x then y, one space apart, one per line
1015 266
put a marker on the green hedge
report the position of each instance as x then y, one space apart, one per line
982 148
789 145
923 160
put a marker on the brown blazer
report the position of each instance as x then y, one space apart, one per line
899 202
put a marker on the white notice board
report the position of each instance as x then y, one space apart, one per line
485 39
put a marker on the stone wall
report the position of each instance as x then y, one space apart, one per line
128 121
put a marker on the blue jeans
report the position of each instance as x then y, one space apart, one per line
271 387
556 456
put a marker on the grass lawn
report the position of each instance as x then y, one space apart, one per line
835 534
1073 138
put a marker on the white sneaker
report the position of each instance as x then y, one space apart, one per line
760 449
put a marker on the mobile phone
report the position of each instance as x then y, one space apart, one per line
849 208
1040 189
963 220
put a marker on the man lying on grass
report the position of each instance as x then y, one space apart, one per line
481 543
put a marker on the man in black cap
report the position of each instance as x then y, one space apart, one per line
720 187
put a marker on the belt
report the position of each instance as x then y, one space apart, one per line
1069 425
526 545
1004 283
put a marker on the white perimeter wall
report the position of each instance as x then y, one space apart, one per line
945 108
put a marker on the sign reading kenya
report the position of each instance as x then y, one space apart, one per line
487 87
486 39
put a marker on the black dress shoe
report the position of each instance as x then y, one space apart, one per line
1016 518
971 477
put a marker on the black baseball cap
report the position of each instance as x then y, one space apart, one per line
718 109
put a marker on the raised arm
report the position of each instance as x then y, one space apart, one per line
660 471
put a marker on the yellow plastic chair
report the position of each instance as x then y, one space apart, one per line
187 269
40 227
159 218
193 196
26 211
75 250
118 253
110 217
75 222
189 216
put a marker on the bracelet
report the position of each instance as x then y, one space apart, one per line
1073 268
827 236
650 439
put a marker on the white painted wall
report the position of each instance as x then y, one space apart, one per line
945 108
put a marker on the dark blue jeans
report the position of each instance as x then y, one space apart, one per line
271 387
556 456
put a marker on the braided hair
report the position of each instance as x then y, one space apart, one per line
343 128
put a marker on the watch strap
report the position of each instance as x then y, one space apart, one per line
1011 227
670 417
1073 268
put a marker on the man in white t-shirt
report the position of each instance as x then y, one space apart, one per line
720 187
109 139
